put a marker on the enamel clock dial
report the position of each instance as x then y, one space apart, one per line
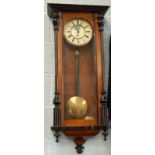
78 32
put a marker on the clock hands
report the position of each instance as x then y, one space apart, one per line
73 39
86 36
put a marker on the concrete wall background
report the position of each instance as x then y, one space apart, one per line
94 145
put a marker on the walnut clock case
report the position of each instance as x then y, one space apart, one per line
80 99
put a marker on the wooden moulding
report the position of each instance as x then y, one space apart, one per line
79 141
51 7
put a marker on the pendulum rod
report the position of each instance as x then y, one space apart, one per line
77 59
77 105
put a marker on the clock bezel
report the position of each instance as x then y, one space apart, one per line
80 45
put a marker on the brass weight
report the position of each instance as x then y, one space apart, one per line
77 106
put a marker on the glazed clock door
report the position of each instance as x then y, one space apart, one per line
79 70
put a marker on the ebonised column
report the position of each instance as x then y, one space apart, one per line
103 101
56 101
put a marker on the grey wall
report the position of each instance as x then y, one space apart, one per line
94 145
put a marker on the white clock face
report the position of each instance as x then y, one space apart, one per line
78 32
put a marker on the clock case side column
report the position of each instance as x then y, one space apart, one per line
103 100
56 101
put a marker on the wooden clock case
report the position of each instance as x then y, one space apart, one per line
91 74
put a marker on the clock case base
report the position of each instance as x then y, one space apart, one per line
79 132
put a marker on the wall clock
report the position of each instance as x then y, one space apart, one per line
80 99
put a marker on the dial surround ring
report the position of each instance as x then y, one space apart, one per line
78 32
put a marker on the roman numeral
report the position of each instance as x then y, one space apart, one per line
73 39
86 36
70 26
82 23
85 26
73 23
77 22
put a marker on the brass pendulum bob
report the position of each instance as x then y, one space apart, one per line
77 105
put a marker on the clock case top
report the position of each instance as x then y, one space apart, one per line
76 128
54 7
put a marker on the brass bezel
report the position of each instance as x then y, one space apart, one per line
75 45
